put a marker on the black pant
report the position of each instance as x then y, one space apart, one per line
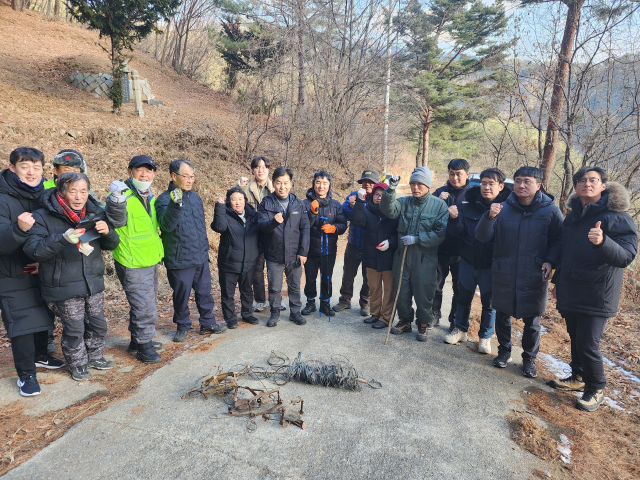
447 263
26 348
182 281
259 294
530 335
585 332
228 282
325 264
352 260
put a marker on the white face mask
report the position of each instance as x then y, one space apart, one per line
141 186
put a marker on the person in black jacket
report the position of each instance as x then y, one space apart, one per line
71 269
380 243
284 220
180 214
527 229
237 223
327 220
449 250
599 240
475 264
24 314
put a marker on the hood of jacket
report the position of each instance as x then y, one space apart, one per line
615 198
9 186
49 202
311 196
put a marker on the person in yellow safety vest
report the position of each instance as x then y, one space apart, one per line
66 161
139 253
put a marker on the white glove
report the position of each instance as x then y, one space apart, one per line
73 235
117 187
176 196
361 194
85 248
394 181
383 246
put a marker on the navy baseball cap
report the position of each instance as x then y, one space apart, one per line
142 160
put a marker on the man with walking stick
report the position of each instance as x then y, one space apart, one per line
422 221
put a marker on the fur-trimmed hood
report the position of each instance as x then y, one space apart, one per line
615 198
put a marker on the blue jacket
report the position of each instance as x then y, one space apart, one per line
184 230
356 234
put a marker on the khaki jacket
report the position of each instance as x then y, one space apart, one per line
254 192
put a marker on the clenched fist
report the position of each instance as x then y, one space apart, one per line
220 200
25 221
495 210
243 181
278 217
453 211
444 195
352 201
314 207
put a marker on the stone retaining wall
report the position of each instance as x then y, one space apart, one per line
100 84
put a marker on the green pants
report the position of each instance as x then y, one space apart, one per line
419 279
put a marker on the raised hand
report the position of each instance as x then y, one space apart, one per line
394 181
494 210
596 235
25 221
278 217
352 201
176 195
117 188
444 195
362 193
314 207
453 211
220 200
243 181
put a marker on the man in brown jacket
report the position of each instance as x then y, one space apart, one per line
256 190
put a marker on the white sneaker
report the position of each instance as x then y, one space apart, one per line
484 345
455 337
259 306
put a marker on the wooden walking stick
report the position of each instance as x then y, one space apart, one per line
395 303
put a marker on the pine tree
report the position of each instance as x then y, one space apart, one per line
124 22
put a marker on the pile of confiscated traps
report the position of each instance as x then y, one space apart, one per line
263 402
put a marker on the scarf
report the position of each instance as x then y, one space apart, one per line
74 216
26 186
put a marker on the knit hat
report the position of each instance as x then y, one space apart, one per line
70 158
381 185
421 175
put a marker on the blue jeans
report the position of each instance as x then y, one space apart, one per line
469 278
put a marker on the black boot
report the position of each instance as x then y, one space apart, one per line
133 347
310 307
325 307
147 353
273 319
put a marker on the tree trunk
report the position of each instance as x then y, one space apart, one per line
567 179
425 145
56 8
559 85
16 5
300 57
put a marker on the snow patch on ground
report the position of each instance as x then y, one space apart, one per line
624 372
613 404
564 447
555 366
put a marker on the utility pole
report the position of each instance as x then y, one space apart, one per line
387 89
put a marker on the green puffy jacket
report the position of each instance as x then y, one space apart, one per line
140 244
50 184
425 217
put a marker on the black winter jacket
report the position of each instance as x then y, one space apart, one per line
523 242
471 206
184 230
23 310
330 211
238 250
589 277
65 272
452 243
284 241
377 229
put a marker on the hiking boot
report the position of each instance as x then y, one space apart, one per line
379 324
80 373
250 320
215 328
455 337
325 307
49 362
403 326
180 336
340 306
503 358
421 336
590 400
573 383
51 347
529 367
133 347
309 308
259 306
273 319
147 353
365 310
231 324
370 320
484 345
101 364
28 385
297 319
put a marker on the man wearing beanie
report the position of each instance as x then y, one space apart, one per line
422 221
138 254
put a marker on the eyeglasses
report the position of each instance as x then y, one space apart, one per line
377 195
592 181
526 183
187 177
490 185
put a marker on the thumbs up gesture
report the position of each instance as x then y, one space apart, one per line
494 210
595 234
